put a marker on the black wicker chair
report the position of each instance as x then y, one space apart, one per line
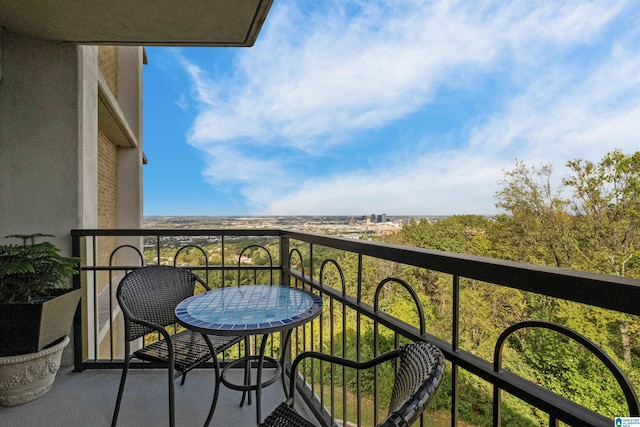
417 379
148 297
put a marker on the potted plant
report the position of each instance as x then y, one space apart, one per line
36 312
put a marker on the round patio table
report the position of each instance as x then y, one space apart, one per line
249 310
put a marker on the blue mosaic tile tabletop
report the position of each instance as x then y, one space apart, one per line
248 310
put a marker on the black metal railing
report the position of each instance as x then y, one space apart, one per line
354 312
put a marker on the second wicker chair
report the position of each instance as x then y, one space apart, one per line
417 379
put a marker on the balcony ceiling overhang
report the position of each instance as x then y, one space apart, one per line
126 22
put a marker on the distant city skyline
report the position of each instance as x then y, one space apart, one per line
357 216
338 225
406 106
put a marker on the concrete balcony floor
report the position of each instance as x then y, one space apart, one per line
81 399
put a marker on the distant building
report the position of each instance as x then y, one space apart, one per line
381 218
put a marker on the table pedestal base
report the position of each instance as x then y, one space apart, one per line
248 386
274 364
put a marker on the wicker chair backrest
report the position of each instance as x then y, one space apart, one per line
152 294
418 378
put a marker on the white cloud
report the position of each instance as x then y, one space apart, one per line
568 113
182 103
313 84
233 165
337 74
443 183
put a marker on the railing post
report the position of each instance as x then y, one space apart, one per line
285 266
285 278
455 346
78 363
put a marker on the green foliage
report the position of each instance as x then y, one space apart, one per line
594 227
32 270
591 223
564 367
606 206
536 229
458 233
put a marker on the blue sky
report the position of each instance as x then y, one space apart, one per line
402 107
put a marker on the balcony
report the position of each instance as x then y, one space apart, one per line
358 319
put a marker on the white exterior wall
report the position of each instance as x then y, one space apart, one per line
45 125
129 96
48 140
87 95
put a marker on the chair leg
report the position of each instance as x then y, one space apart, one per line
283 354
123 378
193 339
263 346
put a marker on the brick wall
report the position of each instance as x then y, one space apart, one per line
108 63
107 182
107 200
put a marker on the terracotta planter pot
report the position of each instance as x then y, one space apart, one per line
26 377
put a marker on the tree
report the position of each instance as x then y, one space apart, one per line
458 233
596 228
537 227
606 205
